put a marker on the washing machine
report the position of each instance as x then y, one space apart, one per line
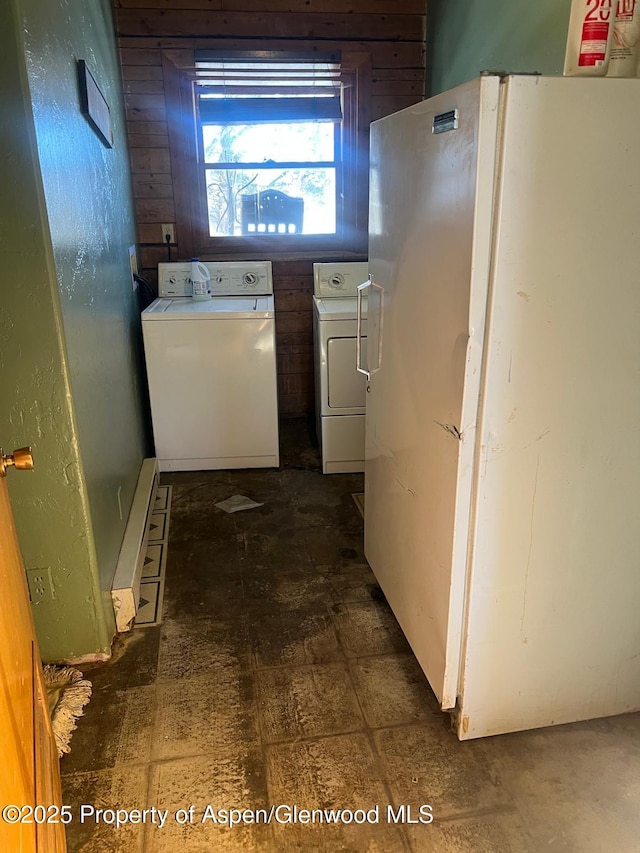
211 369
340 389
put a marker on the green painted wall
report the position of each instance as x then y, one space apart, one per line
466 37
69 325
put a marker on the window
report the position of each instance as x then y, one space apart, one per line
270 145
269 151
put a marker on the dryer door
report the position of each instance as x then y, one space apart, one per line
347 387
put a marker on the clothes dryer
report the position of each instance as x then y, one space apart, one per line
340 389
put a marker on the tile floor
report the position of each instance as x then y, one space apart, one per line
280 677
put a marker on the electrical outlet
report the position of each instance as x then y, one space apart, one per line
40 585
168 228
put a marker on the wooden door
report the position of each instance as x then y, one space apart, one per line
30 772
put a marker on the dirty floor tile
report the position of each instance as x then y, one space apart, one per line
119 788
204 714
205 560
202 582
203 595
113 732
186 481
272 548
233 779
330 545
426 764
393 690
368 628
292 588
332 773
350 582
307 701
191 647
133 663
281 636
265 485
199 520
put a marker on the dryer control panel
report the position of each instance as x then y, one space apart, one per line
228 278
339 279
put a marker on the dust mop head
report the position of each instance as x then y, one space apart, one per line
68 692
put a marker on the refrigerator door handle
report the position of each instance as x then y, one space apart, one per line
359 294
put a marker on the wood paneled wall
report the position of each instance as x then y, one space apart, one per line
390 31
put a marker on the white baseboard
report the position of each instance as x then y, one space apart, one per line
125 590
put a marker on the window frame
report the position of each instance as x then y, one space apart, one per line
191 210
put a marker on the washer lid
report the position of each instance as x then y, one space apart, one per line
220 308
338 308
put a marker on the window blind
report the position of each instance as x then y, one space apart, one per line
238 88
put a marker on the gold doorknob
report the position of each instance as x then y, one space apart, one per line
22 459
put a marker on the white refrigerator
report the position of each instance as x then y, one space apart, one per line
502 479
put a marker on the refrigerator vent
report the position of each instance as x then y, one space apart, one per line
445 121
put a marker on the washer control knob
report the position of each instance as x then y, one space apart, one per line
250 279
337 281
